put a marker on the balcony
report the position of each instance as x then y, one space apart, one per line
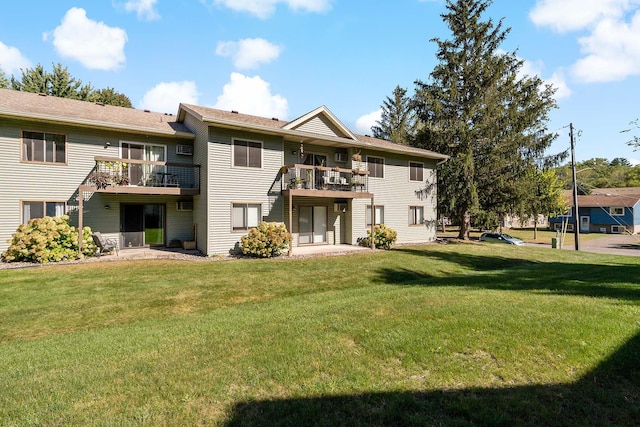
128 176
323 181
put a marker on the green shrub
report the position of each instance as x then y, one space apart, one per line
383 237
48 239
267 240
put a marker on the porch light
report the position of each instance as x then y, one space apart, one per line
107 206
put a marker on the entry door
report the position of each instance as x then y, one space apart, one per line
312 224
584 224
142 225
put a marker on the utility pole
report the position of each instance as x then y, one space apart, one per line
576 211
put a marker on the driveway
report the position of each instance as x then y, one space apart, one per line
614 244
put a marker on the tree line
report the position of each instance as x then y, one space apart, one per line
600 173
59 82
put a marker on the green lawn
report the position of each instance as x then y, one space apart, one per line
528 235
453 334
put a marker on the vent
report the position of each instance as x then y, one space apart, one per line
184 206
340 157
184 150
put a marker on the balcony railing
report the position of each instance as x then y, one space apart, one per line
305 177
128 175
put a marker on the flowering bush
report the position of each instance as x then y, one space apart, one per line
267 240
383 237
48 239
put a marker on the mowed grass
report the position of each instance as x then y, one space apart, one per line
529 235
459 334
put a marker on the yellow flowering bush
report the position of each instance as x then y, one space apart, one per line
267 240
383 237
48 239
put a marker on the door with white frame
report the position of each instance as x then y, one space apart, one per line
312 222
584 224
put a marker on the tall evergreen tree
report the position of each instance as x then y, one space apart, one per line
4 81
478 109
398 121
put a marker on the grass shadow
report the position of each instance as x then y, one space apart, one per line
499 273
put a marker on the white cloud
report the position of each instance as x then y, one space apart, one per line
634 162
265 8
11 60
165 96
366 122
94 44
145 9
251 95
611 46
557 79
612 51
571 15
249 53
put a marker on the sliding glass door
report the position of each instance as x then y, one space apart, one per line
142 225
312 223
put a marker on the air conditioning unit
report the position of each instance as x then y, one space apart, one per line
184 206
184 150
340 157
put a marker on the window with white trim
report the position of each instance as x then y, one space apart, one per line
379 211
40 209
617 229
376 167
616 211
416 215
245 216
41 147
247 154
416 171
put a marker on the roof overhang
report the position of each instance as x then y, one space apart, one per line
94 124
297 136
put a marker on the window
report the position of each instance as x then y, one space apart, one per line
416 215
40 209
617 229
247 154
616 211
44 147
312 159
376 166
379 211
246 216
568 213
415 171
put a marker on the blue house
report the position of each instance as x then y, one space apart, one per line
605 210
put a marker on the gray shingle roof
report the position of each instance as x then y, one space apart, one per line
607 197
35 106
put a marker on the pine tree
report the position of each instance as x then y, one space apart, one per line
4 81
398 121
60 83
478 110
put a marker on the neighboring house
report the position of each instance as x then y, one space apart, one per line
205 175
605 210
514 221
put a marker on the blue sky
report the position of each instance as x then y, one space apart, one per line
283 58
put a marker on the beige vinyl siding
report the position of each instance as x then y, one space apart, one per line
228 184
396 193
322 126
201 212
33 181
